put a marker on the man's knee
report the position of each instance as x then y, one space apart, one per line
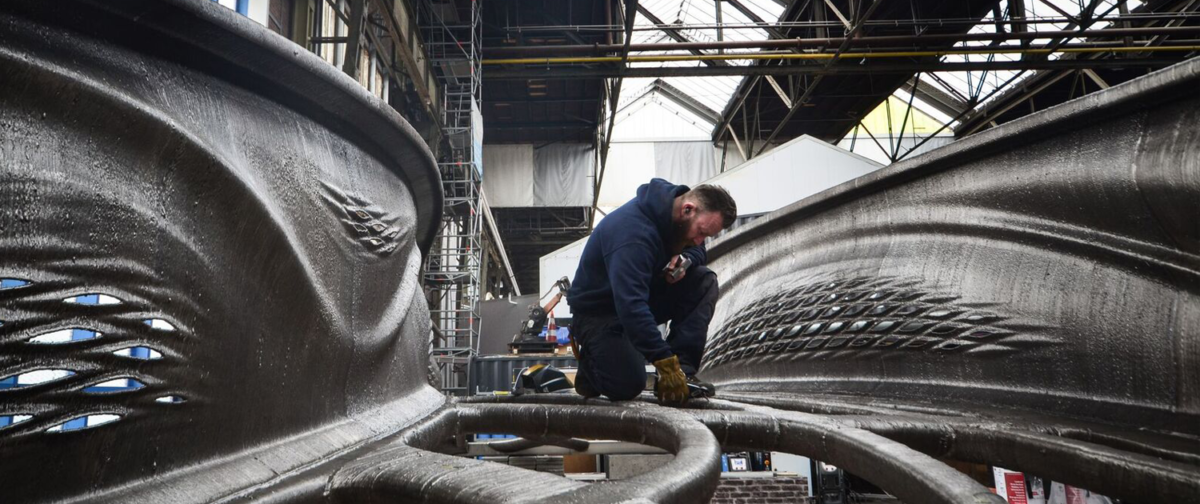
625 385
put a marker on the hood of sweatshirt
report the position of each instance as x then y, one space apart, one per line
656 199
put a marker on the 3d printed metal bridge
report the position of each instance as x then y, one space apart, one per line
209 252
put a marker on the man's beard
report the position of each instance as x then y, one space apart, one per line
679 239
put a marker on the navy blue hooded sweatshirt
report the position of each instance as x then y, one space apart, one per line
624 254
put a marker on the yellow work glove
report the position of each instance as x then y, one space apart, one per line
672 384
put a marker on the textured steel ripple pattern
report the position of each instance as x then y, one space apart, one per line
182 219
1044 265
863 318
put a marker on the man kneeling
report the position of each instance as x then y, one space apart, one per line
644 265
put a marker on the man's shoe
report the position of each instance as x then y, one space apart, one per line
698 389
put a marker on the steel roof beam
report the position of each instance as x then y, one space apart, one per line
1015 96
646 91
577 124
942 101
911 42
811 87
687 102
888 68
737 4
793 10
554 21
674 34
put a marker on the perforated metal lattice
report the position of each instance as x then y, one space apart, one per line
60 346
858 318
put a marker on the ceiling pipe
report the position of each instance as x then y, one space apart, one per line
891 23
831 55
599 49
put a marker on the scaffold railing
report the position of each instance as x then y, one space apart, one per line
452 270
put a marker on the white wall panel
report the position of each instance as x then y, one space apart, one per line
557 264
789 173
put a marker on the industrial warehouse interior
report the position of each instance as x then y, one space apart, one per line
600 251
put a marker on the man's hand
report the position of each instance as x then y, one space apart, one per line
672 383
676 269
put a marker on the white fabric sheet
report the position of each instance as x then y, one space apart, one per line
629 166
687 163
508 175
562 175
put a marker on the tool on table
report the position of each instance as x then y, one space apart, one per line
527 339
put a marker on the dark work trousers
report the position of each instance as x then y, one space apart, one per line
610 364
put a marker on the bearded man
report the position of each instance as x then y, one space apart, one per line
644 265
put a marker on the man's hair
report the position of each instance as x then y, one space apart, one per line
711 198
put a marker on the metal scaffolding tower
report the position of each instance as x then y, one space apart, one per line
452 269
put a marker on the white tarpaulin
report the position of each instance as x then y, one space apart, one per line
687 163
508 175
629 166
562 175
558 175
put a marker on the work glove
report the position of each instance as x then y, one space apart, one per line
672 383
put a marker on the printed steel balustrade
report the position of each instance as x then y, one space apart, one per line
183 164
1027 297
210 244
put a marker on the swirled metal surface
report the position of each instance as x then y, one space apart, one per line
200 206
1028 297
903 471
690 477
1052 264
